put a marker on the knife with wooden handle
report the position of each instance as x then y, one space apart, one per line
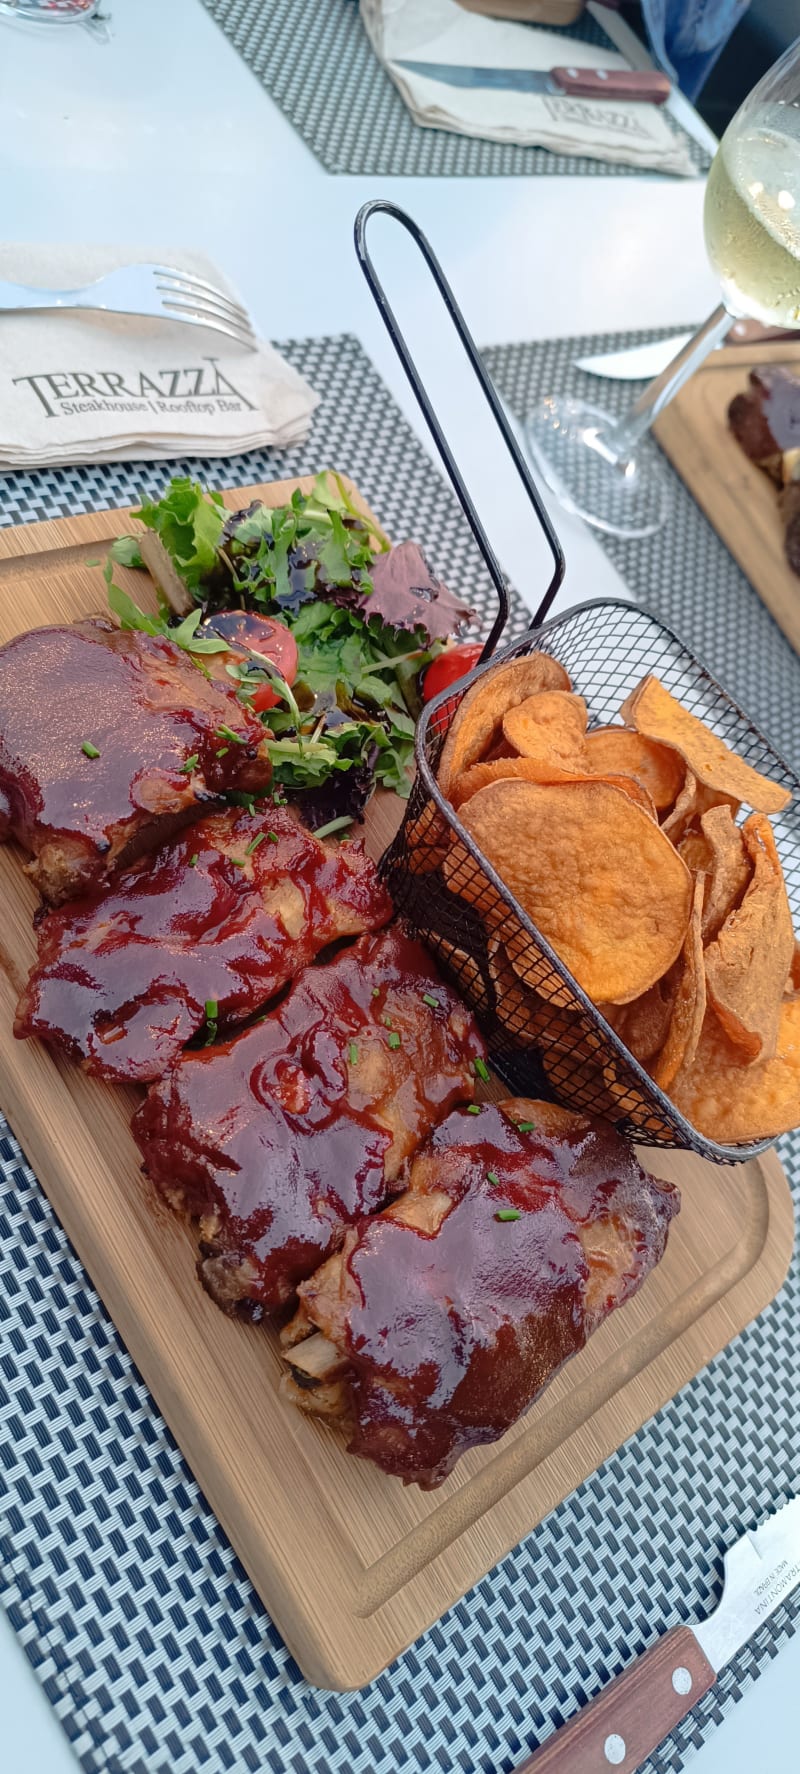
622 1726
645 86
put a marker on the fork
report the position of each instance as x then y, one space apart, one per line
144 289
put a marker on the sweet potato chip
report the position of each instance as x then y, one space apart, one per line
594 874
535 973
428 840
694 800
524 1015
697 853
616 751
478 721
574 1068
658 715
729 871
464 967
634 790
748 964
689 1009
734 1103
501 770
643 1024
530 770
629 1103
550 729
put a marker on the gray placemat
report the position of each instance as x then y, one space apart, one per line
142 1627
316 62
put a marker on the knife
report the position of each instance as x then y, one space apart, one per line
622 1726
649 87
640 362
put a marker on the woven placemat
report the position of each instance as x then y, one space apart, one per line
141 1625
316 62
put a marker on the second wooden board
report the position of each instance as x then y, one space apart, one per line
351 1565
738 498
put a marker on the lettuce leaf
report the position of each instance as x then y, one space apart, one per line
190 523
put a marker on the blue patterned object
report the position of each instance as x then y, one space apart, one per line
315 60
687 36
141 1625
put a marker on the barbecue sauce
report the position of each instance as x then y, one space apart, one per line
279 1139
452 1335
226 914
106 735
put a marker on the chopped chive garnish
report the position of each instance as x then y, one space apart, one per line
353 1054
473 1108
228 733
376 991
193 860
212 1012
223 751
333 825
387 1022
254 843
427 998
239 862
526 1126
493 1178
273 837
90 750
393 1040
508 1213
191 764
481 1070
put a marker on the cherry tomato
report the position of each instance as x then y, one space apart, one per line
262 634
449 667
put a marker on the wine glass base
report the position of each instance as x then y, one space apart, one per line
570 442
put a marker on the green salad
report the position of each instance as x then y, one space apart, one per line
325 629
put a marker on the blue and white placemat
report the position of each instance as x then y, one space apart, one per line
141 1625
315 60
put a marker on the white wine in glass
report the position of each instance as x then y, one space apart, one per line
752 215
608 470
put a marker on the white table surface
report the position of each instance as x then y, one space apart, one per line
165 138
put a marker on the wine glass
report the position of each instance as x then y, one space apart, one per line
609 471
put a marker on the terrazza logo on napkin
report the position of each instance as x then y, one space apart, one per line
84 385
191 388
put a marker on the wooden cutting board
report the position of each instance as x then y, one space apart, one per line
738 498
351 1565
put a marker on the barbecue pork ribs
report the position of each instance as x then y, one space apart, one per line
224 915
276 1141
110 739
444 1317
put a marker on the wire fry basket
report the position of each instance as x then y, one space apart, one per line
545 1036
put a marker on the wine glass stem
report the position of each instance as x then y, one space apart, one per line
621 439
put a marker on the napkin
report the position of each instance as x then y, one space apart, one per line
92 387
441 31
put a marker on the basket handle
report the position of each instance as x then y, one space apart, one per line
380 205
